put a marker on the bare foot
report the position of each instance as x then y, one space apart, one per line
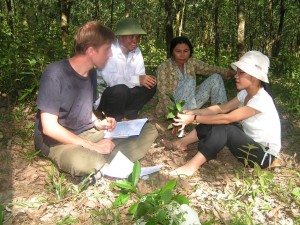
191 166
174 145
184 170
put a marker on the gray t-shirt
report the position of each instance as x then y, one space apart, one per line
63 92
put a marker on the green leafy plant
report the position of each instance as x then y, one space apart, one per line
84 183
68 220
31 155
127 186
106 216
296 192
174 108
58 183
1 214
159 207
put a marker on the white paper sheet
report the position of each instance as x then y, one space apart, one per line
125 129
121 167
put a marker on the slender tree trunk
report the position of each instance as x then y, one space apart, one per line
216 28
180 8
298 44
270 38
251 30
128 7
241 28
65 18
169 25
97 7
277 42
10 13
158 28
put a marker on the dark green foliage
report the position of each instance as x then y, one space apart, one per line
31 38
285 72
174 108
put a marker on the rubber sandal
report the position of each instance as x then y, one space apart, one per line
89 180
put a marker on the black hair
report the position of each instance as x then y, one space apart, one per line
267 88
180 40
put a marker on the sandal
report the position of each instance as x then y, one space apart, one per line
89 180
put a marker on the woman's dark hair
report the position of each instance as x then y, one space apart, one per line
267 88
180 40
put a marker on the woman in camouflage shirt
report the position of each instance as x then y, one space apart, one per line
177 76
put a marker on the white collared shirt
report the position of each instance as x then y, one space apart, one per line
122 69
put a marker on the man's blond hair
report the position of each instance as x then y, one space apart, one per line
92 34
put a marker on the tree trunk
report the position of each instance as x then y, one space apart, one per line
216 28
97 11
169 26
277 42
298 44
128 7
10 13
180 8
270 37
241 28
65 18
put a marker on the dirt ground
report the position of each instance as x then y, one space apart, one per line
27 200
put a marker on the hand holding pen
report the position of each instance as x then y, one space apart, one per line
108 123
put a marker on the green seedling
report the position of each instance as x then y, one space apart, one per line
106 217
68 220
57 183
1 214
174 108
127 186
158 207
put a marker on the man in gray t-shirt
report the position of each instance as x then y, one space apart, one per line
66 129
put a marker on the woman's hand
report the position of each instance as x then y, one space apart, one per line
183 119
188 112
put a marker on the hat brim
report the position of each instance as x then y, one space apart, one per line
250 70
130 32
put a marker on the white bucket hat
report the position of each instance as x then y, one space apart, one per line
255 64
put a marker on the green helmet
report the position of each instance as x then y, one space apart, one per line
128 26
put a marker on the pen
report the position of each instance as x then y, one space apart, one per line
105 116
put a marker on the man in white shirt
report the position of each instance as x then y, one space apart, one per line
123 86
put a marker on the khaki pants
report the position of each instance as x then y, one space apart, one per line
79 161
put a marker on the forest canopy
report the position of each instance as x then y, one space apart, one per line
36 33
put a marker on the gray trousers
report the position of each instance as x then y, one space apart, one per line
79 161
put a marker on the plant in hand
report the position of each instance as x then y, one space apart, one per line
174 109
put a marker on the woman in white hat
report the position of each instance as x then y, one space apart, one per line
248 125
